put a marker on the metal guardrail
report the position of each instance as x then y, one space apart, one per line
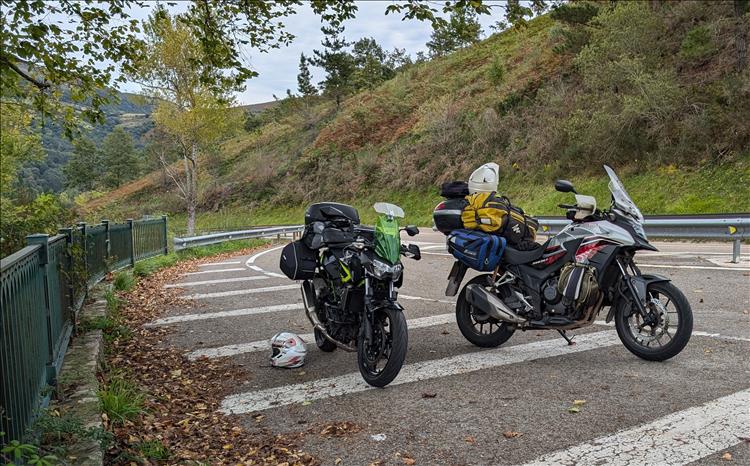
42 286
730 228
265 232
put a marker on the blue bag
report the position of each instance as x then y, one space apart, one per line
478 250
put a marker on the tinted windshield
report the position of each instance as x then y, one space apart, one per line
621 198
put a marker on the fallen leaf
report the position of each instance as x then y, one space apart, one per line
579 402
445 332
471 440
574 409
511 434
429 395
228 446
726 456
337 461
409 461
306 403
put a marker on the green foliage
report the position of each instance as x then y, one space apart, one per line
120 399
119 157
85 166
697 44
337 63
113 301
461 30
154 450
124 280
496 72
44 214
16 452
304 79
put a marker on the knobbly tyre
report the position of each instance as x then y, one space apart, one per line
350 278
564 284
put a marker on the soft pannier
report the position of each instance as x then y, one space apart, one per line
491 213
298 262
447 215
455 189
478 250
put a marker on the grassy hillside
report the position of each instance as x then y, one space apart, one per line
651 91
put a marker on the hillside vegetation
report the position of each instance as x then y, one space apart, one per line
653 91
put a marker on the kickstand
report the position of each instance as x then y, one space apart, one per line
568 339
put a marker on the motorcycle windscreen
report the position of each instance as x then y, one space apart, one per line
387 239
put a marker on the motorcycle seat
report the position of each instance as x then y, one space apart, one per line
516 256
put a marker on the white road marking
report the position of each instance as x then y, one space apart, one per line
222 294
273 274
218 315
256 268
264 345
214 282
220 263
238 269
419 298
679 438
696 267
454 365
698 333
252 258
437 254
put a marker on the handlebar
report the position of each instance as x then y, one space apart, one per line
567 206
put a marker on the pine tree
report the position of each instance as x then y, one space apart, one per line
461 30
337 63
83 171
119 157
304 78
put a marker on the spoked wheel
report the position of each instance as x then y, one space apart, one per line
323 343
665 330
476 326
381 359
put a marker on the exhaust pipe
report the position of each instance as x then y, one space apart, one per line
308 298
490 304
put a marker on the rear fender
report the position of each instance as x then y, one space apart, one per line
455 277
640 283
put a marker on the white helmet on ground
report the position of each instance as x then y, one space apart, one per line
484 179
287 350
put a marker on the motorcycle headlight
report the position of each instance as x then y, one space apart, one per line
381 269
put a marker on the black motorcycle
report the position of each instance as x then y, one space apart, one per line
563 284
351 275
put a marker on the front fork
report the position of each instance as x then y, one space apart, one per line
370 306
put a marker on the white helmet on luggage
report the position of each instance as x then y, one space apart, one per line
287 350
484 179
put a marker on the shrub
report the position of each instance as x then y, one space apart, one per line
697 44
496 72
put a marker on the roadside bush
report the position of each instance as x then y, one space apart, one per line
697 44
120 400
123 281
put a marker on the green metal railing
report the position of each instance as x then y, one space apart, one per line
42 286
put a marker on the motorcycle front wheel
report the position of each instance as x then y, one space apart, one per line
666 329
381 358
477 327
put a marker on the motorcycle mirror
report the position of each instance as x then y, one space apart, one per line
414 251
564 186
411 230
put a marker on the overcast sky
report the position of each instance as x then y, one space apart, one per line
278 68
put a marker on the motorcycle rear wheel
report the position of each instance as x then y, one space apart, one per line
473 324
381 359
671 332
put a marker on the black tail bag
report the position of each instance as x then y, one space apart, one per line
297 261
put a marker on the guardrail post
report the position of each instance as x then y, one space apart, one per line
736 249
43 241
166 243
84 251
106 235
132 242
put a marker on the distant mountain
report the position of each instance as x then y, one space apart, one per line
132 112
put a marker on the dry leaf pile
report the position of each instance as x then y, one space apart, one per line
183 396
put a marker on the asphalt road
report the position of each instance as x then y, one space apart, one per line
453 402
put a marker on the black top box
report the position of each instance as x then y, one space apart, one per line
328 211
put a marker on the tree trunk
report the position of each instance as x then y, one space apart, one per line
192 188
740 33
